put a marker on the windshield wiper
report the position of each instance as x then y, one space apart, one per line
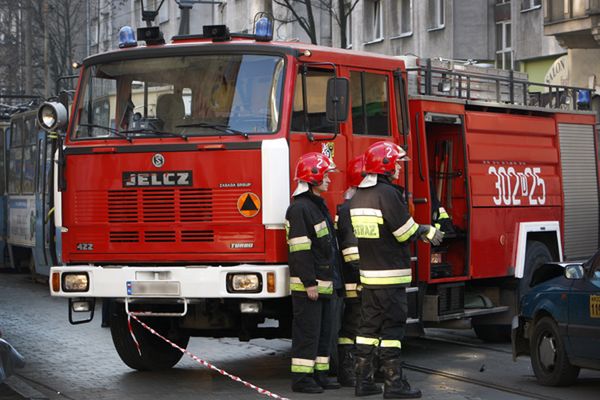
218 127
157 132
109 129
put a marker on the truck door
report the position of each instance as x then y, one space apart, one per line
441 172
310 130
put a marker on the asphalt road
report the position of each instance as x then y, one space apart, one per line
80 363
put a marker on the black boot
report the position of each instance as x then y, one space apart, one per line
304 383
346 366
365 385
322 378
396 386
377 366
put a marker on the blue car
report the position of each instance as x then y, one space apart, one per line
559 321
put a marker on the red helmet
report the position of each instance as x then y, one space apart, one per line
381 157
356 171
312 167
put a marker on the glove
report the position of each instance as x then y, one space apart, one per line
432 235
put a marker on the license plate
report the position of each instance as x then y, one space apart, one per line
153 288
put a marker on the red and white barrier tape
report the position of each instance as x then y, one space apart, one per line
197 359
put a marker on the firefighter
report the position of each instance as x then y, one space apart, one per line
314 273
384 228
350 273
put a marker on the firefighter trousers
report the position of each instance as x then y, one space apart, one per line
350 321
383 315
311 335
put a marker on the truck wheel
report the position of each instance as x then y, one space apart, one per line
548 356
156 353
496 333
537 254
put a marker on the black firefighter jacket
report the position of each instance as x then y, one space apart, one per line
312 246
349 247
384 228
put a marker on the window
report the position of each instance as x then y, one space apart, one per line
349 32
527 5
370 105
504 45
316 95
436 14
15 160
29 155
374 19
2 155
192 96
402 17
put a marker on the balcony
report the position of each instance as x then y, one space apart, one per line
574 23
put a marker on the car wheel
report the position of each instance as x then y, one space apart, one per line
156 353
549 358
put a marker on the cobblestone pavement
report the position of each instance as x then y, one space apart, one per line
80 363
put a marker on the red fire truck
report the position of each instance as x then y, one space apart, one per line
176 163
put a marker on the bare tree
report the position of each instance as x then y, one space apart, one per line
339 10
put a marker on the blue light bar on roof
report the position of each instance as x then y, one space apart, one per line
264 30
127 37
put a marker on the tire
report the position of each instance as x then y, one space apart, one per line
549 359
156 354
496 333
537 254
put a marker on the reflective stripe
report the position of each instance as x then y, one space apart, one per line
350 250
400 280
374 212
299 243
369 273
351 257
322 360
303 361
345 340
404 233
431 233
302 365
390 343
351 294
350 286
442 214
323 287
367 341
321 229
322 367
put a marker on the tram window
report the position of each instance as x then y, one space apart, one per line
2 155
29 156
370 104
15 154
316 98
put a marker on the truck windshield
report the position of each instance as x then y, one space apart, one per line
180 96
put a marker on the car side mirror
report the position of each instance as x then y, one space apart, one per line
574 271
337 99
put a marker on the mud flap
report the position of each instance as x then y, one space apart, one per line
520 343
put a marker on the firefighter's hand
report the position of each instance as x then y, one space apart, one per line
432 235
312 293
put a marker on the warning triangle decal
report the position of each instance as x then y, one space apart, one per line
248 204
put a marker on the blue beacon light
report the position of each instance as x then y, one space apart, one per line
127 37
583 98
264 30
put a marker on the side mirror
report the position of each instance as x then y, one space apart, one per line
574 271
52 116
337 99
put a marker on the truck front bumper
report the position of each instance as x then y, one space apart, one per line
189 282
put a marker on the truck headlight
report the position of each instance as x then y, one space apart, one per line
75 282
249 283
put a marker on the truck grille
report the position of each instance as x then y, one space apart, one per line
156 215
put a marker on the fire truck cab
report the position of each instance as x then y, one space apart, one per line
176 164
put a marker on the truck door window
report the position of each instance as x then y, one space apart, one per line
15 157
316 95
370 104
